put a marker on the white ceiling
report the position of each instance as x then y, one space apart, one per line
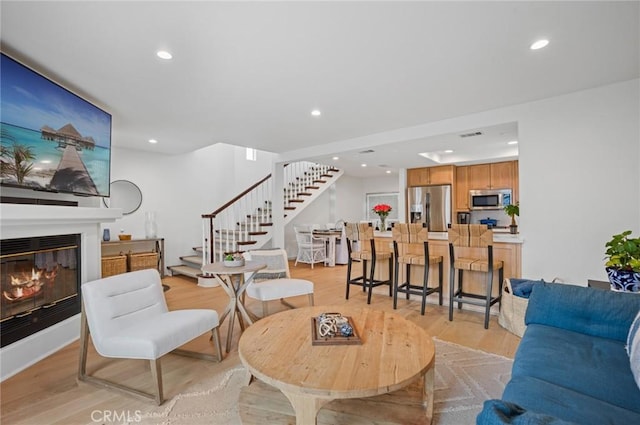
249 73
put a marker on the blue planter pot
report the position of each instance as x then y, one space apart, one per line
623 280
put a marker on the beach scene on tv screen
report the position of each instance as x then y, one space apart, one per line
51 139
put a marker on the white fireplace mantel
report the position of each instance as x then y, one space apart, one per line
26 215
23 221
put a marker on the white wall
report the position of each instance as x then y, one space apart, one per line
579 179
179 188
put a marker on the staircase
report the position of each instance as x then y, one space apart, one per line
245 223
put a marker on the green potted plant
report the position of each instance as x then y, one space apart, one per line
512 211
623 262
234 259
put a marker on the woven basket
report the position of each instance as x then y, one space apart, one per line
115 264
512 310
142 260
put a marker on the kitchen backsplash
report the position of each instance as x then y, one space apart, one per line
503 219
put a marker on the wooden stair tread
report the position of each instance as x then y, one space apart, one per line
195 259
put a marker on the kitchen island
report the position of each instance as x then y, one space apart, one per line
506 248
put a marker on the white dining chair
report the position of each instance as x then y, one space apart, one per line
311 250
275 282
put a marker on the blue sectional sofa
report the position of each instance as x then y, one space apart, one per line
571 366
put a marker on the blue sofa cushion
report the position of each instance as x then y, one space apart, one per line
596 367
523 287
633 348
582 309
498 412
549 399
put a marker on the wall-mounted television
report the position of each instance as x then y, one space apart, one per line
51 139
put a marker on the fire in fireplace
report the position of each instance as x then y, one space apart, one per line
39 284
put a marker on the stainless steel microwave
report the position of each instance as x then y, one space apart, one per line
495 199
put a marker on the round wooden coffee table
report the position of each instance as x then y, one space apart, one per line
394 353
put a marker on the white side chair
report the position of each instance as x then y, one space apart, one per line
275 282
311 250
127 317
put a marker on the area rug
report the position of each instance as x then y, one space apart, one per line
464 379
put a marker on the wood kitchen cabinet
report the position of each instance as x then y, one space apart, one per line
443 174
497 175
462 189
417 176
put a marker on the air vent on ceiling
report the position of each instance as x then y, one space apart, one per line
472 134
368 151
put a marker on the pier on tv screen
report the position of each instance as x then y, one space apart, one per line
51 139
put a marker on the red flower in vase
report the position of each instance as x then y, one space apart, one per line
382 210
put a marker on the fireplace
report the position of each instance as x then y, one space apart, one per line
40 279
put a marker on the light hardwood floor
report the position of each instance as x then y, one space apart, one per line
47 392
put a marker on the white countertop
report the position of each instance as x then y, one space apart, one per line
501 237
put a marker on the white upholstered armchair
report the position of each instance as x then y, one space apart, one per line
275 282
127 317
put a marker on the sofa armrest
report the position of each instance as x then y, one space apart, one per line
498 412
605 314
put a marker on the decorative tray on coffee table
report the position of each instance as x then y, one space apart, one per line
333 329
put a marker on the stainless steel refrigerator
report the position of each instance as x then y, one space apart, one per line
431 205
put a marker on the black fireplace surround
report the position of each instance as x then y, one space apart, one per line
40 279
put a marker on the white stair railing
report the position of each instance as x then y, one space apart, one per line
231 227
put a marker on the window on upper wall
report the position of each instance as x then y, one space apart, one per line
389 198
252 154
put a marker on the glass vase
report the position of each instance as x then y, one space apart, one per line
150 227
383 224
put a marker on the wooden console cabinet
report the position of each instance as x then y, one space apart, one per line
110 248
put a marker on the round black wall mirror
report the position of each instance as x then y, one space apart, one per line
125 195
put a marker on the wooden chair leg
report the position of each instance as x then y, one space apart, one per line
395 286
440 270
349 264
156 373
364 274
265 308
425 285
390 276
311 299
452 281
487 306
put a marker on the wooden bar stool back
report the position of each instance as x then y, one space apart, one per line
471 249
411 247
361 247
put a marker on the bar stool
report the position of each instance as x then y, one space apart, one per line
411 247
361 247
466 239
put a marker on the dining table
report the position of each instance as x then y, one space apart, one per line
330 235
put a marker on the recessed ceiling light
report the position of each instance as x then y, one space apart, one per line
513 142
448 151
316 113
163 54
153 141
335 158
388 171
363 165
539 44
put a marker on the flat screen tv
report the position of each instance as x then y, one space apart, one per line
51 139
